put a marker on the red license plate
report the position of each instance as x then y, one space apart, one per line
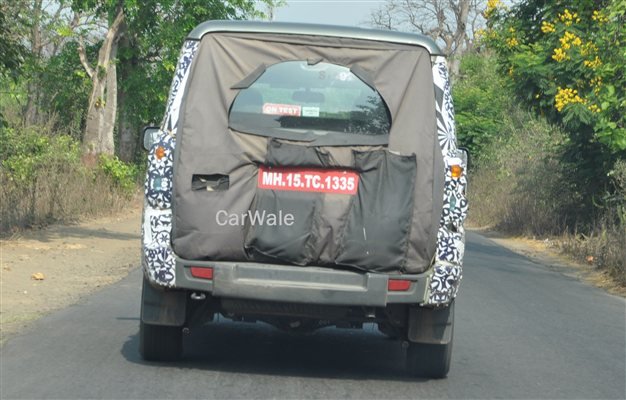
309 180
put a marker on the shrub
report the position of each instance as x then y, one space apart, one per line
566 62
520 185
604 247
479 102
523 183
43 180
123 175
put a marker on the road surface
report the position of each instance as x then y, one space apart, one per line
522 331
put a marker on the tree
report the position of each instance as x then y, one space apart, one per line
136 59
271 6
565 60
11 54
451 23
148 52
102 107
11 51
35 26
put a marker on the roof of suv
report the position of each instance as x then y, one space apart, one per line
290 28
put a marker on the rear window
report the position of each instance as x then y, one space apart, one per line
322 103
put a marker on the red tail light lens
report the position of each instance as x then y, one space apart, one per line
398 285
202 272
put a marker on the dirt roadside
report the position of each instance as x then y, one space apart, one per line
73 260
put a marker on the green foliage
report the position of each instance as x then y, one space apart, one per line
520 185
11 57
65 89
151 46
565 60
526 181
616 200
480 103
43 179
26 151
122 174
11 50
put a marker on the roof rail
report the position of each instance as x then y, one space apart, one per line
291 28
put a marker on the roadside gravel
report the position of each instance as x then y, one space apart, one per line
48 269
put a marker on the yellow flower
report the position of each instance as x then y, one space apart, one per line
491 7
569 39
588 48
491 4
597 81
567 17
567 96
599 17
511 42
593 64
594 108
596 84
547 27
560 55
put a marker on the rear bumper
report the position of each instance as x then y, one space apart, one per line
310 285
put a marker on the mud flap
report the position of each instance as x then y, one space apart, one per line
162 307
431 325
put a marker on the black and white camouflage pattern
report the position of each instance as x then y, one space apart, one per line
158 185
446 131
448 269
159 262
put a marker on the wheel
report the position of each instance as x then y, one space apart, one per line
429 360
388 330
160 343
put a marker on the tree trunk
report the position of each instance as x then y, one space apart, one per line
30 113
102 109
127 139
461 14
126 130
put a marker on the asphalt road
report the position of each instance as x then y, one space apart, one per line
522 331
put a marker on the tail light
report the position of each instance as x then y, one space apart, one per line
398 285
202 272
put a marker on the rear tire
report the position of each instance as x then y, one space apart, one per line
160 343
388 330
429 360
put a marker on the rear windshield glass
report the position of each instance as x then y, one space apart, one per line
322 103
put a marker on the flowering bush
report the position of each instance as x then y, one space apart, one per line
567 60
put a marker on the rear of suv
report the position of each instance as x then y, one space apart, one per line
305 176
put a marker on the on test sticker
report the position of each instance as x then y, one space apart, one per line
282 109
310 111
